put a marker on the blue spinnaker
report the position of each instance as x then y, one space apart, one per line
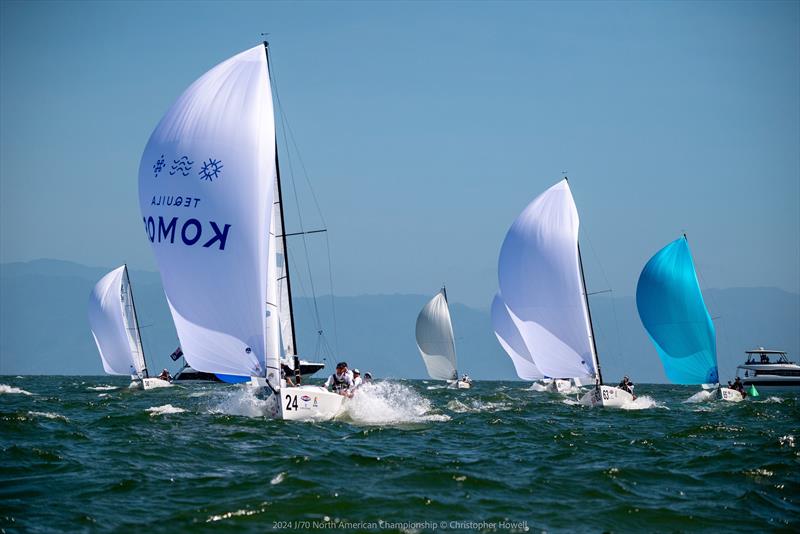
672 311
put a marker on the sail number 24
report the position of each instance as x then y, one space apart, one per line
291 402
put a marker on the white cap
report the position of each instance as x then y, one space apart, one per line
356 371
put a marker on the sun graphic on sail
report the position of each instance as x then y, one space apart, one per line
210 169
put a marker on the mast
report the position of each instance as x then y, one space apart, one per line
589 312
591 326
283 239
447 304
136 318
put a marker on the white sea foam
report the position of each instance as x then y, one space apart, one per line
439 386
277 479
773 399
644 402
163 410
244 401
389 403
48 415
11 389
102 388
702 396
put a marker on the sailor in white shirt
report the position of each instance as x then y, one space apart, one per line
357 381
340 381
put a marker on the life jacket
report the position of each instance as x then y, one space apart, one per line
339 384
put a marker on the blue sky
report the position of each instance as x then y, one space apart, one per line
427 127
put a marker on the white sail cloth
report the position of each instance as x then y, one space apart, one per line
510 339
113 325
542 287
435 339
206 195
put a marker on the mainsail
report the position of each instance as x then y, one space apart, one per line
206 191
112 317
541 283
672 311
435 339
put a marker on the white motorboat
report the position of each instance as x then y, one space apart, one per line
769 369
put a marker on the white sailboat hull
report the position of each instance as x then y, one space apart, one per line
731 395
155 383
309 403
606 397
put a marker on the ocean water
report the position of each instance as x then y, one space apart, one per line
88 454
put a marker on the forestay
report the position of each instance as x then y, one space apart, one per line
114 327
674 314
541 285
512 342
206 182
435 339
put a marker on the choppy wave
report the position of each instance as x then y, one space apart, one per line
475 406
102 388
702 396
389 403
400 452
643 402
163 410
48 415
11 389
242 400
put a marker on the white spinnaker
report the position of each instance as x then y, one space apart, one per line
541 284
512 342
435 339
108 323
206 195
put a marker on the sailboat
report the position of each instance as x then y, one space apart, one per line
541 314
436 343
673 312
211 201
115 327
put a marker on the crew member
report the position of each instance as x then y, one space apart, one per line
341 381
626 385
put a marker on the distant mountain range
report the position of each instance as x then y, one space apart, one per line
44 328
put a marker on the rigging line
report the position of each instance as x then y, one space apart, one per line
287 128
333 300
284 128
299 280
716 306
620 346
